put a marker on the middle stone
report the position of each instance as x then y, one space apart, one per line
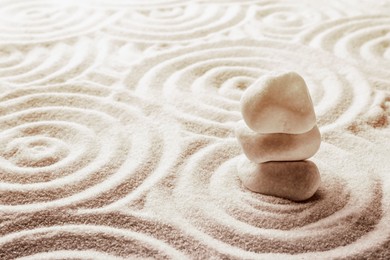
261 148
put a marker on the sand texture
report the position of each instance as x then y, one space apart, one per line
117 127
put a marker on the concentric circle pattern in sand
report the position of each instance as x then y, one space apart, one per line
359 38
283 20
68 144
110 235
26 22
136 3
205 81
117 117
52 63
209 202
181 23
364 40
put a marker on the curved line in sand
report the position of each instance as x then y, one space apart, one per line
46 21
194 79
183 23
63 147
214 207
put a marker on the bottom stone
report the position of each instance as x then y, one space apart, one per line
294 180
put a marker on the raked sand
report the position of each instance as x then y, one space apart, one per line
117 128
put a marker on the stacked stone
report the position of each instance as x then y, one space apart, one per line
277 135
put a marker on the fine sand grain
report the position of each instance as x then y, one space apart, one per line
117 128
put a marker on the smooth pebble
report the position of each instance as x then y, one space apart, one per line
278 103
295 181
261 148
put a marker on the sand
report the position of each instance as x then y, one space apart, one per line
117 128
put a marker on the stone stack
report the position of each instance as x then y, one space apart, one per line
277 135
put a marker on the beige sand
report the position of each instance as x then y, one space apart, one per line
117 128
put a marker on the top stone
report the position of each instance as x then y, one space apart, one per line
278 103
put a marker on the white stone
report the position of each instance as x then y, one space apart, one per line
278 103
261 148
295 181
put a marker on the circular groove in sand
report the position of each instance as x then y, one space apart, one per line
62 146
66 138
284 20
54 63
207 80
211 204
367 37
39 21
183 23
365 41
